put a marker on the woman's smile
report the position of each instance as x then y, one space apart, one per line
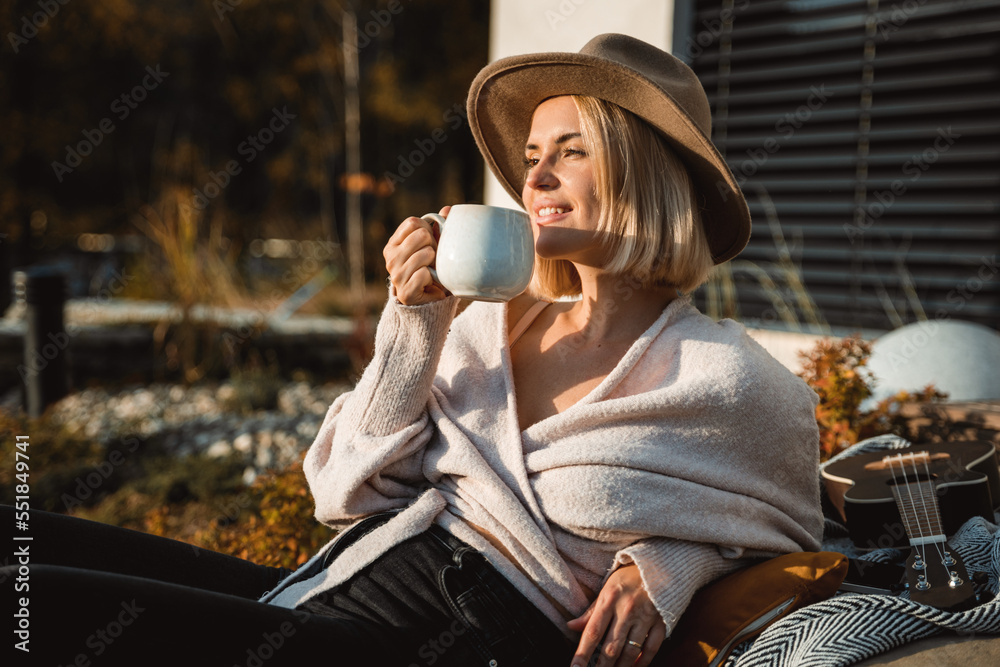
548 214
559 188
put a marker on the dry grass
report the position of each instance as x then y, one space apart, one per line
781 281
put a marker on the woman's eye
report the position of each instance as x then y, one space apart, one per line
533 160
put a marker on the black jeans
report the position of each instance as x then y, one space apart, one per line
91 594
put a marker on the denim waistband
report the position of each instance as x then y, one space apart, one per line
355 533
441 536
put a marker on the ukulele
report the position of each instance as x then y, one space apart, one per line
935 576
961 477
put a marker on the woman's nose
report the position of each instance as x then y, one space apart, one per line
541 177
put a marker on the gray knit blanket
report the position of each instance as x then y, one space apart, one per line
851 627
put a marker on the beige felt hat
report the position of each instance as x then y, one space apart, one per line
635 75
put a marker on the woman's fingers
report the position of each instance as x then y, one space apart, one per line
654 640
622 626
617 652
409 252
628 646
595 623
413 262
580 622
412 234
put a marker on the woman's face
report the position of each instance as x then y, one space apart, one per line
559 192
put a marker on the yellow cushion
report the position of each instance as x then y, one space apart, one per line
740 605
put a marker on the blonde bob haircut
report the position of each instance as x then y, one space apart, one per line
647 207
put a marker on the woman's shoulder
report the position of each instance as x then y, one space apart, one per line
691 324
518 307
484 323
724 349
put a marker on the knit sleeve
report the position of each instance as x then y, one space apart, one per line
368 453
672 570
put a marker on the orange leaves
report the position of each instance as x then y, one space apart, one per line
279 529
838 372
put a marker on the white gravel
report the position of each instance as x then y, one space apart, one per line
187 420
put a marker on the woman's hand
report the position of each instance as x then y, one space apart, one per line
624 609
408 255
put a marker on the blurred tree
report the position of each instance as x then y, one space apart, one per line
107 106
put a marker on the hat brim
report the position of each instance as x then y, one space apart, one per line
504 96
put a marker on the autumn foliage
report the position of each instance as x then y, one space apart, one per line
838 371
270 523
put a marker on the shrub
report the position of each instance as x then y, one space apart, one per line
838 372
61 463
269 523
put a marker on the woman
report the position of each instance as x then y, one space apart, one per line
621 432
549 480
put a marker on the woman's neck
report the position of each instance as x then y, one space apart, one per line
615 307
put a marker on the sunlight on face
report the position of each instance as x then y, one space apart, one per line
559 192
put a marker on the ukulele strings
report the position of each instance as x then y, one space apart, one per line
922 546
937 513
919 544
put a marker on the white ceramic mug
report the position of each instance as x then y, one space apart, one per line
485 253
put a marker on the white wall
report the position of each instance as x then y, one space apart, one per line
534 26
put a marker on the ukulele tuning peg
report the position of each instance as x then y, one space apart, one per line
922 584
948 559
954 580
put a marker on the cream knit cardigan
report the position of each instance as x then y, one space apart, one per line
697 449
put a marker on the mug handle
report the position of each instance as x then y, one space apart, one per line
439 219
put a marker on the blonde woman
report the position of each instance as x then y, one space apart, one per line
608 453
541 482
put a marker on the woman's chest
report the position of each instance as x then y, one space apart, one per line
548 382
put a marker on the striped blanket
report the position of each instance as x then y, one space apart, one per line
851 627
